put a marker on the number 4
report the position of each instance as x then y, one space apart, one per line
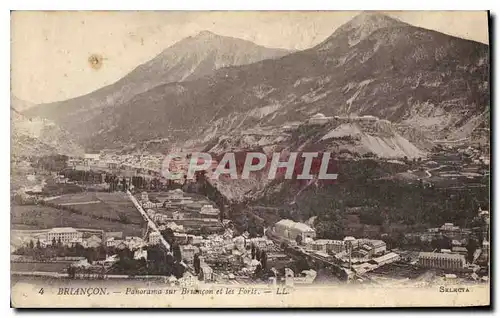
40 291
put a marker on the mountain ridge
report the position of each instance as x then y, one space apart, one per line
383 67
205 53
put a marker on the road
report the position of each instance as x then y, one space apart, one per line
151 224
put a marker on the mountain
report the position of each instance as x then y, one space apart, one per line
37 136
20 105
188 59
372 65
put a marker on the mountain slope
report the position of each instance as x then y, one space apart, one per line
190 58
36 136
372 65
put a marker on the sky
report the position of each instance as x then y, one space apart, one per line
50 50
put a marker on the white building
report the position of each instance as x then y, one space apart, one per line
319 119
65 234
91 159
154 238
449 227
188 251
140 253
289 229
208 209
441 260
113 242
92 242
387 258
379 247
177 215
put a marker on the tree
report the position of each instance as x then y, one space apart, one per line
71 272
59 243
263 259
32 245
253 251
196 263
258 270
38 244
298 239
177 252
471 248
168 235
257 254
54 242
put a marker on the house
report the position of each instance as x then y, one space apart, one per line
91 159
140 253
459 249
187 252
177 215
449 227
110 261
181 238
151 213
134 242
121 245
154 238
113 242
206 273
92 242
74 242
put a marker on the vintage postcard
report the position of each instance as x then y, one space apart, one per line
250 159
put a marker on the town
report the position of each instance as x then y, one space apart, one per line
144 227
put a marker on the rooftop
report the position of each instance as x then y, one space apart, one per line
438 255
63 230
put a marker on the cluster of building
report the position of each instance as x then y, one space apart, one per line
320 119
361 254
140 164
66 236
130 242
175 210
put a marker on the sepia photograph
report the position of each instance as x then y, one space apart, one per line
250 159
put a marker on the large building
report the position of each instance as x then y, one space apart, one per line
289 229
441 260
65 234
208 209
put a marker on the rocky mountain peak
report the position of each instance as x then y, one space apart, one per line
206 35
360 27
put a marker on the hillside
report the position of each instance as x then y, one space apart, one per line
347 138
188 59
36 136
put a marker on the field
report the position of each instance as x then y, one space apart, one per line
114 207
39 267
31 217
